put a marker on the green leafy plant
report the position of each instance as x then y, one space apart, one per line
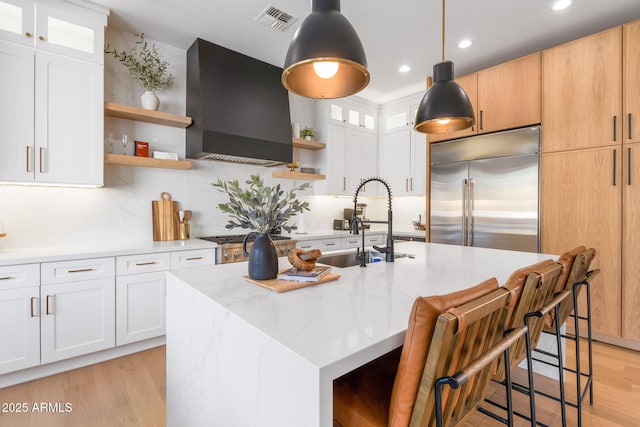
145 66
260 207
307 131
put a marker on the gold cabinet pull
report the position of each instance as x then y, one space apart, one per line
145 263
6 278
82 270
34 299
194 258
47 312
28 34
42 38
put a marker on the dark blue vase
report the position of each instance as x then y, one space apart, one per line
263 259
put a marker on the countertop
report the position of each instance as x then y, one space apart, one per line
97 250
365 306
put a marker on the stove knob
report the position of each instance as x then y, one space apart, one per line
236 254
227 255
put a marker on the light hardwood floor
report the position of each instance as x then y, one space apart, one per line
130 391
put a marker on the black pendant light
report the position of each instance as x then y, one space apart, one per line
325 58
445 107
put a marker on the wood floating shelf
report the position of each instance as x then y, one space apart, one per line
128 112
146 162
298 175
308 145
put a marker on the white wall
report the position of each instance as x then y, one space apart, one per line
121 210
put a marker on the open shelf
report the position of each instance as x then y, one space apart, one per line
308 145
297 175
146 162
128 112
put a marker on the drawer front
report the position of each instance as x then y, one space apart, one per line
374 239
352 242
143 263
324 245
19 276
182 259
77 270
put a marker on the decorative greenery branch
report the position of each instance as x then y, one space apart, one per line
145 66
260 207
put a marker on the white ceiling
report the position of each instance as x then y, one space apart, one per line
392 32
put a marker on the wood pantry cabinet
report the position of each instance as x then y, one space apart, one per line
51 117
581 201
631 82
630 242
582 93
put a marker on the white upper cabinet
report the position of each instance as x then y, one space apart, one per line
55 26
51 78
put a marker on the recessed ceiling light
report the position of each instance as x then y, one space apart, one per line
465 44
404 69
561 4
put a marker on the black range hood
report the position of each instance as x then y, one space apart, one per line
240 109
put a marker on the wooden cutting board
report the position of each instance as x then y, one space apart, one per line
165 218
279 285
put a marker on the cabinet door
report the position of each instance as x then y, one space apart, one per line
362 161
77 318
68 120
582 93
395 164
581 195
71 30
509 95
16 112
19 329
17 24
140 306
470 85
631 83
630 242
336 160
418 179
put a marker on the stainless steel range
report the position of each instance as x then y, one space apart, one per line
230 246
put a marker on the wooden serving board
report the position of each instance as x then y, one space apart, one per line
165 218
289 285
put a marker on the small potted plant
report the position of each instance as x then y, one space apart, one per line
147 68
307 133
260 208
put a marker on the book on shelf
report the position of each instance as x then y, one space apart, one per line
298 275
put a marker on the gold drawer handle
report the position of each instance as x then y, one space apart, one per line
145 263
82 270
6 278
194 258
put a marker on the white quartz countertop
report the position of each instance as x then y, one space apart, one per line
366 310
96 249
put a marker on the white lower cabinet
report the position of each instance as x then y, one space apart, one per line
77 318
19 329
140 306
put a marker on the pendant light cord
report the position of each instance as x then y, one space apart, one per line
443 30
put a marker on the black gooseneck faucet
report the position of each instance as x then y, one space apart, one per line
388 249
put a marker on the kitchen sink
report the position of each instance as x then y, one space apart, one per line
346 259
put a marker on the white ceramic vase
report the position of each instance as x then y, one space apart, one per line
150 101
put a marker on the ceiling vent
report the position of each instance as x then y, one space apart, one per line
275 18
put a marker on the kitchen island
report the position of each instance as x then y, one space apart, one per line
242 355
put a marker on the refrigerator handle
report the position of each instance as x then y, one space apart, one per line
470 221
465 218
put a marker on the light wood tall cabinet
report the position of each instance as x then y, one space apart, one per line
631 82
630 242
582 93
581 204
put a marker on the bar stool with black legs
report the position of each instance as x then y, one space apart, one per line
578 276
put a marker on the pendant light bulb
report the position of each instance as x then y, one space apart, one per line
326 69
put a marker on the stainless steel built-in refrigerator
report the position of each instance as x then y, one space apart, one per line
484 191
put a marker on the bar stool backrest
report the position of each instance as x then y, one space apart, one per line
461 335
578 273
